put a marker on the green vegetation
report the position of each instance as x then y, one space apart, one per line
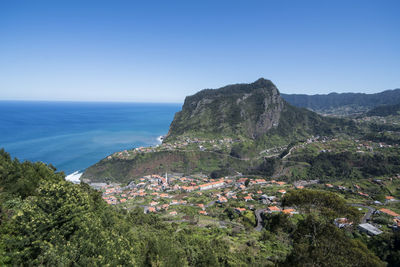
345 103
46 220
385 110
250 129
253 113
329 205
187 162
331 166
318 243
54 222
248 133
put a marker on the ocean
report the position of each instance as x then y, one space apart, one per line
74 135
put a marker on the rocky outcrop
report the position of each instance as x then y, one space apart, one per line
249 110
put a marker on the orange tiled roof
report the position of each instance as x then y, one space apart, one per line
240 209
212 183
274 208
389 212
288 210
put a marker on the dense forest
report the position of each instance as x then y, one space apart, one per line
385 110
348 166
46 220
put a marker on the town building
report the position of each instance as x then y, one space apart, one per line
211 185
369 229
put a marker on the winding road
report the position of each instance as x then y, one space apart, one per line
259 219
367 216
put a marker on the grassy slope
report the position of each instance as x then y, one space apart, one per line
159 162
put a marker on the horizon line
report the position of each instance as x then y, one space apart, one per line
172 102
88 101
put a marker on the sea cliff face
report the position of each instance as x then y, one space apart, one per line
248 110
245 111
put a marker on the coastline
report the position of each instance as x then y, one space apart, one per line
160 139
74 177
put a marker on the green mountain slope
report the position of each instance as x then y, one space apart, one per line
254 111
246 110
385 110
344 103
253 116
186 162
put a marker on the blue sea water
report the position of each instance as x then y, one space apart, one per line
74 135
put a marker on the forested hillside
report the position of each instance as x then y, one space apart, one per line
385 110
46 220
344 103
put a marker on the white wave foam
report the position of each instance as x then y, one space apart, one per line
74 177
160 139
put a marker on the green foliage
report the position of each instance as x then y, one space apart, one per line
266 168
387 247
276 222
159 162
22 179
56 223
318 243
385 110
328 204
344 104
250 112
62 224
330 166
49 221
387 137
249 219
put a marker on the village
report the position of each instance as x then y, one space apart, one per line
241 201
322 143
183 143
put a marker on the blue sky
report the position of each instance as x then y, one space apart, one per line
161 51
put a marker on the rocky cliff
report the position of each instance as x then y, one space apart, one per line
244 111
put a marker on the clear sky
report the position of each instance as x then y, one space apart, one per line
161 51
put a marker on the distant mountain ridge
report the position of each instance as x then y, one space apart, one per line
343 103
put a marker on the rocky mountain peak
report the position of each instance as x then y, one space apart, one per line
248 110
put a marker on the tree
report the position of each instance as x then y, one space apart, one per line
328 204
318 243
